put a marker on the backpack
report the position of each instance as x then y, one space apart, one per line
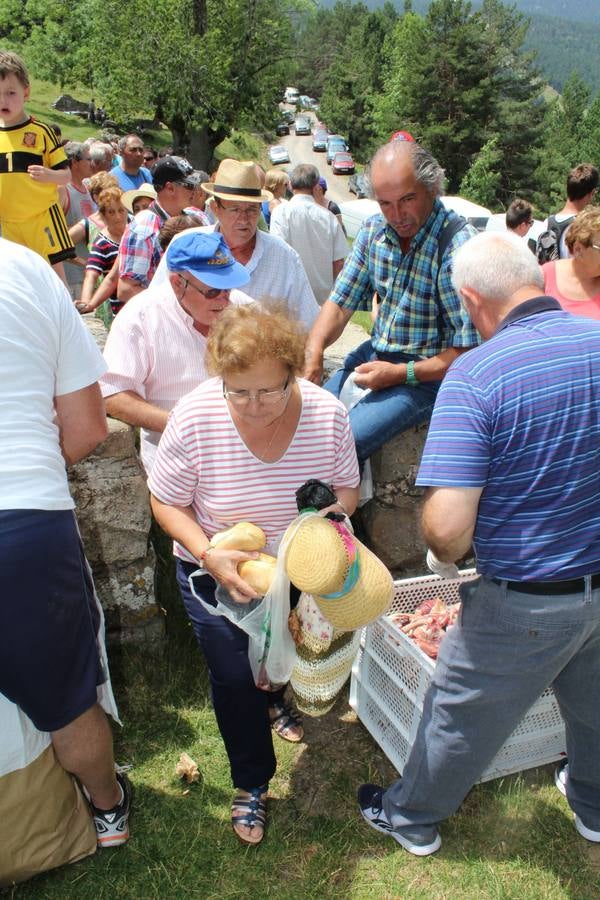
547 247
450 229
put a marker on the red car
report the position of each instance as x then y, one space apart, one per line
342 164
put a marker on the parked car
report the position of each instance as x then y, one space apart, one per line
342 164
357 184
282 128
278 154
288 115
302 125
475 214
335 144
320 141
354 213
292 95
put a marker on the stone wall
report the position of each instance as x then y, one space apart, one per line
391 519
113 510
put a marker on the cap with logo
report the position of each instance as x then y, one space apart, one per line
206 256
174 169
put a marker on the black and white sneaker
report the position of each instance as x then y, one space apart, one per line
112 825
420 840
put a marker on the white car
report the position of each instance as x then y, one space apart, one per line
476 215
278 154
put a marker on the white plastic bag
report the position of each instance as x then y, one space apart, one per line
271 648
350 395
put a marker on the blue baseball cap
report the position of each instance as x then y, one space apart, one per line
323 183
206 256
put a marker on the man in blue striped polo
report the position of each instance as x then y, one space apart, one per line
512 463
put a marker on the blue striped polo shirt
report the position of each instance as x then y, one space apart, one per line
520 416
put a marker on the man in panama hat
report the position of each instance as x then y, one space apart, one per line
276 271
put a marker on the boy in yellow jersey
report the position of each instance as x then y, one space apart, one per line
32 166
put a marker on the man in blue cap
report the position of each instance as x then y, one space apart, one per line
156 347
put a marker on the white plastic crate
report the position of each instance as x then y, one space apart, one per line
391 675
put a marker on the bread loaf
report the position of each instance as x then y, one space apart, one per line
242 536
258 573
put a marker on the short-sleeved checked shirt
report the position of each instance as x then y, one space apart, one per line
420 311
139 250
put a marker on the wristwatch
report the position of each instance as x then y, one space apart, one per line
411 378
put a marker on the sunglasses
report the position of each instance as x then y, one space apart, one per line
209 293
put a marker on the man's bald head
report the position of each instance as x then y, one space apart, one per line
405 180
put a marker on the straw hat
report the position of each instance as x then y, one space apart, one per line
238 181
144 190
351 586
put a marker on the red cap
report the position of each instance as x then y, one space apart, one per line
402 136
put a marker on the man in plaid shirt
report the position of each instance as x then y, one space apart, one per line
139 252
405 256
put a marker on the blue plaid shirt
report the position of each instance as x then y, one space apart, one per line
420 312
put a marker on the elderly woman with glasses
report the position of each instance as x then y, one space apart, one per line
236 449
575 282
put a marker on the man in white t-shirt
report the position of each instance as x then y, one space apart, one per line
275 269
156 347
51 414
313 232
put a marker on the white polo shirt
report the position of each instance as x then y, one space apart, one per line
276 276
316 235
154 350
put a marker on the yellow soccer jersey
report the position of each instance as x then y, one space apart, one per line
31 143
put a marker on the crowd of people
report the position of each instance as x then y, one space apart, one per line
222 293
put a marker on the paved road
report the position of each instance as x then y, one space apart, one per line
301 151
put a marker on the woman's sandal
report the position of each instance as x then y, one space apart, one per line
249 810
286 723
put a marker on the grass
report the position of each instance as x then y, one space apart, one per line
74 128
364 320
513 838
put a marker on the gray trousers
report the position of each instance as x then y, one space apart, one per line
506 649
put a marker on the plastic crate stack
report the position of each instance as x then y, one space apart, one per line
391 675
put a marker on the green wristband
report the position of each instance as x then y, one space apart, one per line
411 378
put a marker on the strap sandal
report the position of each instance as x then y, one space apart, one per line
249 811
286 722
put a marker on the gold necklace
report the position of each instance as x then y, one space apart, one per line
273 436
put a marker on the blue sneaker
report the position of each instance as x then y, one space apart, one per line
420 840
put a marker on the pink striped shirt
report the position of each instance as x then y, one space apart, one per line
202 462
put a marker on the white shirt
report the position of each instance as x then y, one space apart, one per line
276 276
154 350
315 234
45 352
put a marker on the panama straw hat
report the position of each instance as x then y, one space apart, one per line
144 190
350 585
235 180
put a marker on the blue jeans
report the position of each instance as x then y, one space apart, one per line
504 652
381 415
241 709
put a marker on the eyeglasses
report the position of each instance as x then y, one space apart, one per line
149 159
243 398
249 210
209 293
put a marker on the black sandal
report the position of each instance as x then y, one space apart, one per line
286 722
253 814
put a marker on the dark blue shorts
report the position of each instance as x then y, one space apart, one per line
49 663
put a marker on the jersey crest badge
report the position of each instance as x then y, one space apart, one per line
29 139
